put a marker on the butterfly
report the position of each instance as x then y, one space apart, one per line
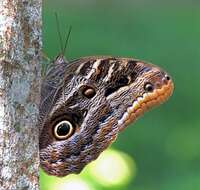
86 102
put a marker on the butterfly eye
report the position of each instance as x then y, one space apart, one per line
63 130
148 87
89 92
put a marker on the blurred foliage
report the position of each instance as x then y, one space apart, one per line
165 143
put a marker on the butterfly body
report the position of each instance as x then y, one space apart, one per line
86 102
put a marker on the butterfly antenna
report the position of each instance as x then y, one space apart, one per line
65 47
59 33
67 39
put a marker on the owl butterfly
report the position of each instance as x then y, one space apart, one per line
86 102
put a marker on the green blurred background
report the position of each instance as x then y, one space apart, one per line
161 151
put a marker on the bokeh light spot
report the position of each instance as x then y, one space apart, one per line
72 182
113 168
76 182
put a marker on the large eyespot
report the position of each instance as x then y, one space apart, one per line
148 87
88 91
63 130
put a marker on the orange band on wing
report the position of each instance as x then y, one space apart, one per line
145 102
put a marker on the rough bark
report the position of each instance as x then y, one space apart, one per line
20 50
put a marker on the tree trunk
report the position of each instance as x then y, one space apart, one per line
20 50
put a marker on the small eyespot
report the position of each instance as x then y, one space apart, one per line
89 92
63 130
167 77
148 87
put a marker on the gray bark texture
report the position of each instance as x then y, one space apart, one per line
20 55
